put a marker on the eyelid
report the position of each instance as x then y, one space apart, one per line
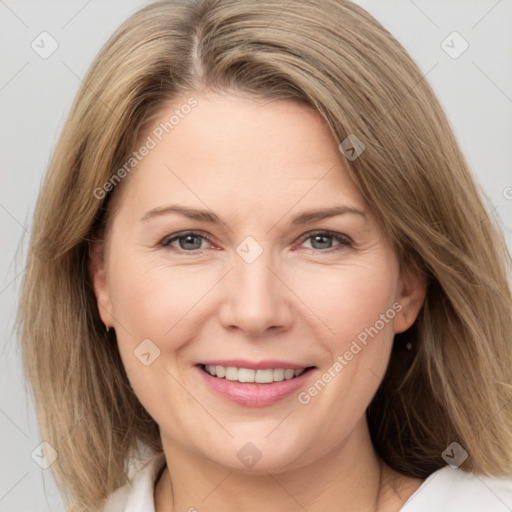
344 240
334 234
165 242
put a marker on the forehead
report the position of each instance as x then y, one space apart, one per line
245 151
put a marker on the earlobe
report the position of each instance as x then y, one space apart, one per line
412 289
99 282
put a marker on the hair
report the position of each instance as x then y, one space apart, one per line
454 384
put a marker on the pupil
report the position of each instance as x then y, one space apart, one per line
324 241
189 239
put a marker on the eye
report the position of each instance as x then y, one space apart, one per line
322 240
187 241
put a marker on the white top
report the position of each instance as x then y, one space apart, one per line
445 490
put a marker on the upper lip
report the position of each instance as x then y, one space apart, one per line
255 365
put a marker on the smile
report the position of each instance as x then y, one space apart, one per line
266 376
254 387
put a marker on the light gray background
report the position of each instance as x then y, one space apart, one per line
36 94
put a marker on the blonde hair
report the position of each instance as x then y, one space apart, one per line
456 382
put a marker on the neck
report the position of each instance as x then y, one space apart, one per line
350 477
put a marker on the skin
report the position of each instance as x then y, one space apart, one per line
257 164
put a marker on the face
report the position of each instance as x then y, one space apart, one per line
217 257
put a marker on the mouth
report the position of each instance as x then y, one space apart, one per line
254 387
249 375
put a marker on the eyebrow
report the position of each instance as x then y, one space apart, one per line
210 217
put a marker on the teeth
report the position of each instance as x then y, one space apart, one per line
278 375
248 375
264 376
289 374
231 373
245 375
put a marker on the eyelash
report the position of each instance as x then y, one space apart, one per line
344 241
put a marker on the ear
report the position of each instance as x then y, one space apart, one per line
411 291
99 282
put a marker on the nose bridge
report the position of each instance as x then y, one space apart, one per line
255 298
252 264
255 279
254 282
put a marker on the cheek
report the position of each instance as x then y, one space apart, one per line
156 301
156 306
350 298
357 304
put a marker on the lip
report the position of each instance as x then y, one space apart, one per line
268 364
253 394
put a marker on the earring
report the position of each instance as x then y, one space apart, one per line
107 327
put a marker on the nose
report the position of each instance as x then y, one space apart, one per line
257 301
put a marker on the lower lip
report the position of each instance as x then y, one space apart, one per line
252 394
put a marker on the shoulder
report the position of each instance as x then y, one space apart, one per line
137 495
454 490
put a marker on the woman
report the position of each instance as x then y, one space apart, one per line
261 266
